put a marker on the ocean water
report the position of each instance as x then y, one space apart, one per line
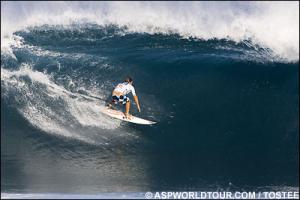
225 95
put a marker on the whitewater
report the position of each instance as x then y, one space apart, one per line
273 25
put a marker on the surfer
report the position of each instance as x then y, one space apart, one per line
119 95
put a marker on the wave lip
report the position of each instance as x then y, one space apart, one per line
273 25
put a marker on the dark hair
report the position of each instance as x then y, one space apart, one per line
128 79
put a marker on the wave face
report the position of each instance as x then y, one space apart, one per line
227 104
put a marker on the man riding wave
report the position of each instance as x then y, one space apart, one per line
119 95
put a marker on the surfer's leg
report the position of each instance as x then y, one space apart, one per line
127 108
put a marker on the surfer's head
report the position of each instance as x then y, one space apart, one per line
128 79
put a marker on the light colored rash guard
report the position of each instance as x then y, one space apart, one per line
125 88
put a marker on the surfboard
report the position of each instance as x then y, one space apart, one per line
120 115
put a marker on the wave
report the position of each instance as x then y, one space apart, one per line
272 25
53 72
215 99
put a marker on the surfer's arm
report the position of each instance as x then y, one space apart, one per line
136 100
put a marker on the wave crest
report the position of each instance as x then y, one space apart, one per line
273 25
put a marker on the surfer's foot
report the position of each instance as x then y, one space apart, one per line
127 116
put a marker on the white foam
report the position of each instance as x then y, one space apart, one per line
53 109
8 42
273 25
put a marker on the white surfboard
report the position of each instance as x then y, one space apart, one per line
120 115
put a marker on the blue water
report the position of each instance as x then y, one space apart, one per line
227 113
